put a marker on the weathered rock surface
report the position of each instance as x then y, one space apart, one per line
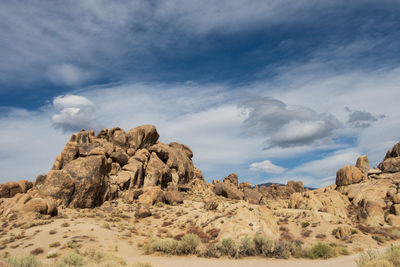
173 197
10 189
142 212
348 175
372 214
363 164
228 190
232 178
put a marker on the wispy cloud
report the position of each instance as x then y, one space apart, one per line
267 167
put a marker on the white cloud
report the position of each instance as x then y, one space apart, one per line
74 113
267 167
69 74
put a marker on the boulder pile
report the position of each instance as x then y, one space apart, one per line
115 163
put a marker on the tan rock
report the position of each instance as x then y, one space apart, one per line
232 178
40 179
344 232
212 204
390 165
176 157
173 197
89 178
59 185
10 189
38 205
243 185
349 175
363 164
253 196
120 157
151 195
396 198
228 190
137 169
395 209
393 220
142 137
372 214
142 212
157 172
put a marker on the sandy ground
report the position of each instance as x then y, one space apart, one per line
347 261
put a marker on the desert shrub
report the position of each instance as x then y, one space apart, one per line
263 245
54 244
366 257
392 254
227 247
52 255
321 250
305 224
37 251
188 244
246 247
211 251
107 226
282 249
71 260
167 246
23 261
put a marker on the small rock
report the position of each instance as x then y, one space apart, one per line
211 204
142 212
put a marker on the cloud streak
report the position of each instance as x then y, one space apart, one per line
289 126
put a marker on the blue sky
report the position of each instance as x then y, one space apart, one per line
271 90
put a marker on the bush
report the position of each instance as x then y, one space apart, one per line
167 246
71 260
227 247
392 254
263 245
188 244
321 250
246 247
23 261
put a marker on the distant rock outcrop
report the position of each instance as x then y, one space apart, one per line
92 169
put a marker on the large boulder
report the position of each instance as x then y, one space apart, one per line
178 159
349 175
142 137
173 197
232 178
363 164
390 165
372 214
157 172
9 189
228 190
89 179
59 185
253 196
151 196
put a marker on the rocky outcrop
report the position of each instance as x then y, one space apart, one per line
276 191
372 214
93 169
10 189
232 178
391 163
348 175
363 164
228 190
